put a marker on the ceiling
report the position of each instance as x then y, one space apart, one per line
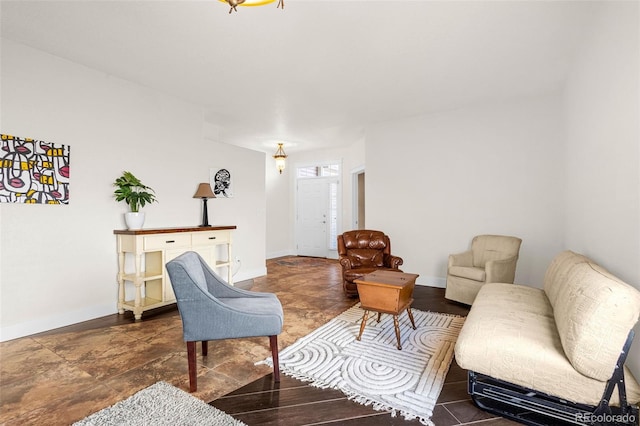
315 74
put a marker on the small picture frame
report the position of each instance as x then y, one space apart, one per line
221 180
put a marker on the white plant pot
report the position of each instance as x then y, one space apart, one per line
134 220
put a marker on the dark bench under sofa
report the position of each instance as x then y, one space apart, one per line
555 355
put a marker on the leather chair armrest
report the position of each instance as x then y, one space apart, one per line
347 262
461 259
501 271
391 261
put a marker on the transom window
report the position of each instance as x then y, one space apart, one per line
326 170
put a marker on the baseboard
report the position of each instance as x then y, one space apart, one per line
249 274
281 253
56 321
432 281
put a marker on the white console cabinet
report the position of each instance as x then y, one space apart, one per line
151 249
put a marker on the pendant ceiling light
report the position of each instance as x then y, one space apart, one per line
235 3
280 157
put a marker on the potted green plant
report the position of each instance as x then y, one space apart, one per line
133 192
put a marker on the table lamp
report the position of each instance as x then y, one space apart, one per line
204 191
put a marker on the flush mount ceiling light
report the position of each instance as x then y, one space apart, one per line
280 157
235 3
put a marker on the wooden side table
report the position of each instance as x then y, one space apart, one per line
386 292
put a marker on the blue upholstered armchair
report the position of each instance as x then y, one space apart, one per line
213 310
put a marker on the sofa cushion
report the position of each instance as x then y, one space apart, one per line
557 272
593 312
519 320
476 274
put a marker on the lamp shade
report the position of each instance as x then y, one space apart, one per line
204 191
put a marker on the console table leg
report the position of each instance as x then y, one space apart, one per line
138 284
121 283
137 312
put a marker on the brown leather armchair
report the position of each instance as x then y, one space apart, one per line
362 252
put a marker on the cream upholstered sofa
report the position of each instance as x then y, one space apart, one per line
556 352
492 258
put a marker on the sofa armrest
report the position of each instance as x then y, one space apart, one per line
461 259
501 271
391 261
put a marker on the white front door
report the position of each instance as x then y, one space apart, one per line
314 216
312 211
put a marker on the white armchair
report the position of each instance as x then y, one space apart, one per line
492 259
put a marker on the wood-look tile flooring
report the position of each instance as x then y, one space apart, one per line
61 376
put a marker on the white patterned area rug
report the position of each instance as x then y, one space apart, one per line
160 404
373 371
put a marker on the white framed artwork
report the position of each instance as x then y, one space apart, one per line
221 181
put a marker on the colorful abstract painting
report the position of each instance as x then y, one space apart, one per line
33 172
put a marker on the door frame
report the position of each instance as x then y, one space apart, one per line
355 172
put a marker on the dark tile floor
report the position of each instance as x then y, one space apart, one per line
63 375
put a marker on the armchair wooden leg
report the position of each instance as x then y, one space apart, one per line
205 347
273 342
193 371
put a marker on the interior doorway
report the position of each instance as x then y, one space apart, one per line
358 185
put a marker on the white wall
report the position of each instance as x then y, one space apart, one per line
435 181
280 219
59 263
603 148
246 209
